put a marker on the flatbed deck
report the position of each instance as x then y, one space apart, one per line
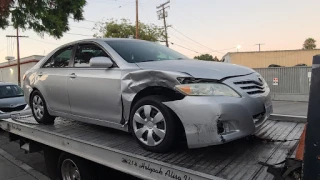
119 150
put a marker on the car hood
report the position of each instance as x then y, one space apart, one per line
198 68
12 102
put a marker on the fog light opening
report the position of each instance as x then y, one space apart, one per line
220 127
226 127
223 127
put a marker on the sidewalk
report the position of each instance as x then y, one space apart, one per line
13 169
290 108
8 170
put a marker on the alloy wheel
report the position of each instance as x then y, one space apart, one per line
69 170
149 125
38 107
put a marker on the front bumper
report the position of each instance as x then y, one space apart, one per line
213 120
16 113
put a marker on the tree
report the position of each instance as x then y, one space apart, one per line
206 57
216 59
42 16
124 29
309 43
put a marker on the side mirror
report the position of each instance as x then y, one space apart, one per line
100 62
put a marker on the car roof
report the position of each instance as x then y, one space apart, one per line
6 83
108 39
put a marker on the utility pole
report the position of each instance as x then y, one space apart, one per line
162 14
260 45
18 53
137 19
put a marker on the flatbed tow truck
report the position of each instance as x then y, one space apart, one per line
274 142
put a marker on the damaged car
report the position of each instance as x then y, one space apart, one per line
150 90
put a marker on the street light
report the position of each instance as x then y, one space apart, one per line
238 47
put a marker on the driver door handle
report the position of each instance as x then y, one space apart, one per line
73 75
40 74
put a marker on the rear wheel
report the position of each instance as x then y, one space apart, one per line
153 124
39 109
75 168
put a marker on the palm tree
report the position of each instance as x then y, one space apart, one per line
309 43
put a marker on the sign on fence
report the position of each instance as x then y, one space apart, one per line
275 81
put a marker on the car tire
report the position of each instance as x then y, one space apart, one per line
168 125
44 117
70 165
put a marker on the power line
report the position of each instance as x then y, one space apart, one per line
3 49
79 34
212 50
90 21
182 40
43 41
81 27
184 47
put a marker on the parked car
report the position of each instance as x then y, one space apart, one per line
12 102
150 90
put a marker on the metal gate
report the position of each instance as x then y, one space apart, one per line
288 83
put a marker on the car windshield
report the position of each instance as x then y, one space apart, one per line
143 51
9 91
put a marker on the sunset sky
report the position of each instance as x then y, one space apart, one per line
203 26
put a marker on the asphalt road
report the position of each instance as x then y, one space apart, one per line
290 108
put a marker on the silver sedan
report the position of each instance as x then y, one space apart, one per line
150 90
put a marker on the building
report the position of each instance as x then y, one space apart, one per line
9 70
263 59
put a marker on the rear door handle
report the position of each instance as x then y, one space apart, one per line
72 75
40 74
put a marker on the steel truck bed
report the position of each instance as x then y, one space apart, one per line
118 150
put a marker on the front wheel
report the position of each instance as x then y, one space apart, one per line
153 124
39 109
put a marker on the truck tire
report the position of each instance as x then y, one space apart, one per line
153 124
39 109
73 167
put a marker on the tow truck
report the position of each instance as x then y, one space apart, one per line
248 158
88 145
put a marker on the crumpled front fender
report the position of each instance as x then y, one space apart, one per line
199 120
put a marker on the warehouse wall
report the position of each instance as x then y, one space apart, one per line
10 73
263 59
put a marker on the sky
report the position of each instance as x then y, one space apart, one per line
198 26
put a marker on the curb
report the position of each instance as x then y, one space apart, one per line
288 118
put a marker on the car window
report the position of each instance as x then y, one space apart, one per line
142 51
10 91
85 52
60 59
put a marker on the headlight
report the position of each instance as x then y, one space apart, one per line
206 89
27 107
